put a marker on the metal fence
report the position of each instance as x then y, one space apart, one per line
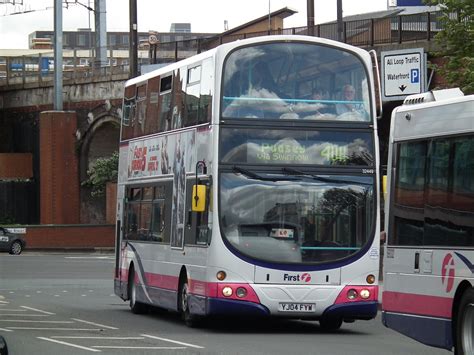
363 33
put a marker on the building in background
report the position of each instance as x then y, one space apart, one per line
180 28
84 38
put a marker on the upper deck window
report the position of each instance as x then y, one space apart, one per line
295 81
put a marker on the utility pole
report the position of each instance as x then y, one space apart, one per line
58 55
310 16
269 18
340 24
133 53
100 33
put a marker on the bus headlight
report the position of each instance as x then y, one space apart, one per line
352 294
364 294
241 292
227 291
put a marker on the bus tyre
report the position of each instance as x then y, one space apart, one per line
135 306
465 324
190 320
330 324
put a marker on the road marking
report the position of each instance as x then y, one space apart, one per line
37 321
24 315
12 310
141 347
172 341
105 338
38 310
90 257
5 330
69 344
68 329
92 323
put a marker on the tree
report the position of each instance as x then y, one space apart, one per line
456 40
102 171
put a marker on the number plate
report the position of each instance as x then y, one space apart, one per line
297 307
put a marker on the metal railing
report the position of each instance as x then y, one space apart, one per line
362 33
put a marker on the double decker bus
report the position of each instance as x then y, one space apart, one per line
428 289
241 193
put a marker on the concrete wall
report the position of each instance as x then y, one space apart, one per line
41 98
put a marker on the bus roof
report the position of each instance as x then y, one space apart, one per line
435 113
225 48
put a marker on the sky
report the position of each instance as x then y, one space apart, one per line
157 15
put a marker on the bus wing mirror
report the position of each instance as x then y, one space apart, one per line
199 198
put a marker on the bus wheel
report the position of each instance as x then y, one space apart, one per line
465 324
330 323
189 319
135 306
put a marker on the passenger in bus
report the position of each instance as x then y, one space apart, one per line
314 107
262 79
349 109
320 97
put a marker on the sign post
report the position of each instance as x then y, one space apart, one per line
403 73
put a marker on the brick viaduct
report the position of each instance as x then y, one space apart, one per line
44 156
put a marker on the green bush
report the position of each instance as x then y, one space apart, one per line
102 171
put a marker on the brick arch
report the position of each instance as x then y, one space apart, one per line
101 139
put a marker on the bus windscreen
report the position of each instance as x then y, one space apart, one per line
295 81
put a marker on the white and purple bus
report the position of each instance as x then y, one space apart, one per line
428 291
248 184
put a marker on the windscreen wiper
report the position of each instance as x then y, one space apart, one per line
292 171
252 175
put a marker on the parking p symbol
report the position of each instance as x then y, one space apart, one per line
415 76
